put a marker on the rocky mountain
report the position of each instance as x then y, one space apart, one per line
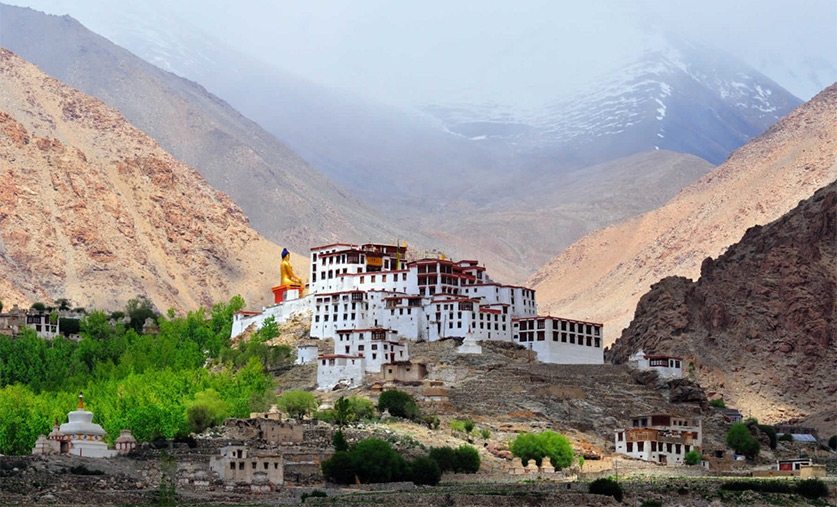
287 200
602 276
760 323
95 211
677 96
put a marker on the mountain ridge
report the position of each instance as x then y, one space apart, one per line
602 276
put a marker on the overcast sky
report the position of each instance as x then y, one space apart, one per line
416 52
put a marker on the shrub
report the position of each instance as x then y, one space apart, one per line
457 426
580 462
485 433
812 488
786 437
339 468
83 470
69 326
739 438
770 431
317 493
425 471
606 486
297 403
374 460
362 408
38 307
468 425
832 442
464 459
342 412
693 458
207 410
431 421
761 486
467 460
399 404
719 403
445 457
548 443
339 441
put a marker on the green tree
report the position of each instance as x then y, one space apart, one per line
740 439
580 462
138 311
297 403
445 457
467 460
718 403
374 460
693 458
362 408
342 412
537 446
207 410
425 471
63 304
399 404
770 431
38 307
339 441
1 305
339 468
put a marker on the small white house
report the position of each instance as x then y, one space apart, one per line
666 366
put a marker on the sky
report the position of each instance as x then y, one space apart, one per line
491 52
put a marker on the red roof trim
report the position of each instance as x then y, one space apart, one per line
246 313
332 245
338 356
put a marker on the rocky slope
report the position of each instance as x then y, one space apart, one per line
761 321
96 211
288 200
602 276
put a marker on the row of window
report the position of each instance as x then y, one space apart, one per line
530 336
564 326
659 447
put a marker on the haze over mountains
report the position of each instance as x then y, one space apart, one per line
428 177
602 276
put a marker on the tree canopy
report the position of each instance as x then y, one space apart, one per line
532 446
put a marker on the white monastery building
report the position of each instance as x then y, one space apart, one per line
666 366
662 438
372 300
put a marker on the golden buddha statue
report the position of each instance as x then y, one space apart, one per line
288 276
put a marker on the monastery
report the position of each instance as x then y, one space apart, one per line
372 302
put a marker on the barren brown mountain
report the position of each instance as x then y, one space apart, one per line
760 324
602 276
93 210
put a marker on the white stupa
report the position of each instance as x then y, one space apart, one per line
86 437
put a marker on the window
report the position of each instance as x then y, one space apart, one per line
540 334
564 337
232 465
640 446
653 446
630 447
619 436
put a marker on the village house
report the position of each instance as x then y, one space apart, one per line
235 465
662 438
372 300
666 366
798 433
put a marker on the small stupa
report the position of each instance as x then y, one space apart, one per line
86 437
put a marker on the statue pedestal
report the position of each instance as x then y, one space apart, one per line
284 293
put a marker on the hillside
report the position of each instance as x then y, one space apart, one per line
286 199
770 299
602 276
97 212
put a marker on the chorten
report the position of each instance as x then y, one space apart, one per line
86 437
